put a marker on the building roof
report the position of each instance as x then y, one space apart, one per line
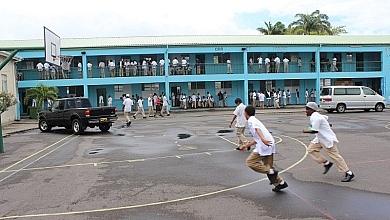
200 40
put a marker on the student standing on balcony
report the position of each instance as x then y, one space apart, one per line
277 64
299 65
121 65
251 64
285 64
229 66
154 68
89 67
46 68
267 63
261 159
40 70
102 67
184 66
140 108
80 69
260 63
334 65
325 139
127 68
162 62
144 68
111 67
128 104
175 64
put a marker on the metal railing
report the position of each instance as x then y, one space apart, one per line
290 67
128 71
206 68
361 66
48 74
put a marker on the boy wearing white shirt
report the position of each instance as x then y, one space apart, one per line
277 64
128 104
89 67
164 105
102 67
262 157
240 122
150 106
109 101
162 62
260 62
261 99
267 62
40 70
140 108
325 139
285 64
154 68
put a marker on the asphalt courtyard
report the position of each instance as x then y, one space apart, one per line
180 167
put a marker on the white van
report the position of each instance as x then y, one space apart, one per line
341 98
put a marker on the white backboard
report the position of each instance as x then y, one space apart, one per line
52 47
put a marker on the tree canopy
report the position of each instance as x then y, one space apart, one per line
40 94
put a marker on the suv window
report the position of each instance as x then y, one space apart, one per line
326 91
61 105
368 91
55 106
353 91
70 104
340 91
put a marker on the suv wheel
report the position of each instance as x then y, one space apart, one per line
379 107
104 127
340 108
77 127
44 126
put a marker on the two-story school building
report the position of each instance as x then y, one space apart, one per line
200 64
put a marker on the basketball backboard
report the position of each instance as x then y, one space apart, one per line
52 47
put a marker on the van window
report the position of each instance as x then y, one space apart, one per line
368 91
353 91
340 91
326 91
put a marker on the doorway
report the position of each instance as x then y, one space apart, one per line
101 92
175 91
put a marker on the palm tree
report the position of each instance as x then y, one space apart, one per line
278 29
314 23
338 30
40 94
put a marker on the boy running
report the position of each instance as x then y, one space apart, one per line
262 157
140 108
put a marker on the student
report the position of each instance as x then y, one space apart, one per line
127 68
164 105
159 105
155 98
208 100
276 100
111 67
154 68
89 67
251 64
229 66
145 67
128 103
325 139
284 98
193 101
254 98
184 68
102 67
240 122
140 108
175 63
109 101
199 99
220 99
184 100
46 68
297 96
306 96
121 65
277 64
162 62
40 70
101 101
268 98
212 101
285 64
225 99
260 63
150 106
267 63
261 159
261 99
299 64
334 65
288 97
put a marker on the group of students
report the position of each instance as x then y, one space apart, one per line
193 101
48 72
262 157
157 104
271 98
273 64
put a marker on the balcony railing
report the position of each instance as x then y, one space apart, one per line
363 66
291 67
206 68
129 71
51 74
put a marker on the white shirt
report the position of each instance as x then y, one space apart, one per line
334 61
101 99
193 98
109 100
250 60
154 64
89 65
175 62
111 65
184 62
288 94
266 61
261 97
228 61
102 65
306 93
325 134
165 101
239 112
40 66
79 65
277 60
183 98
260 60
162 62
140 103
261 148
254 95
284 94
128 103
285 60
150 102
46 66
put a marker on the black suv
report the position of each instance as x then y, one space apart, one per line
76 114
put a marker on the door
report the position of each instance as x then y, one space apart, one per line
176 91
339 62
370 97
55 116
354 98
199 63
101 92
67 113
359 62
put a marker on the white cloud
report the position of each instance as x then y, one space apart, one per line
71 18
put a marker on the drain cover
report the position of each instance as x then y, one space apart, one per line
183 136
225 131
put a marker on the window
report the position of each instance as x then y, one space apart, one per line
292 82
368 91
326 91
339 91
61 105
4 83
150 87
55 106
197 85
353 91
70 104
83 103
223 85
118 88
221 58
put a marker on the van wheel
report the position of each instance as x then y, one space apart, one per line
330 110
44 126
77 127
340 108
379 107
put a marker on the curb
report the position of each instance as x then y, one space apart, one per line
18 131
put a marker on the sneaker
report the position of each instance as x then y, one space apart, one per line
272 177
348 177
128 124
280 187
134 117
327 167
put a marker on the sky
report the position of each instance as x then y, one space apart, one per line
24 19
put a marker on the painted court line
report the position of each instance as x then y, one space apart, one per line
35 153
17 171
162 202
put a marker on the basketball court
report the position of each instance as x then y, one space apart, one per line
185 167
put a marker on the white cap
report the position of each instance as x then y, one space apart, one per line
312 105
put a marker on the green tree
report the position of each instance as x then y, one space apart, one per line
278 29
314 24
40 94
6 100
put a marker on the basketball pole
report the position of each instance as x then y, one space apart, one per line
2 65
